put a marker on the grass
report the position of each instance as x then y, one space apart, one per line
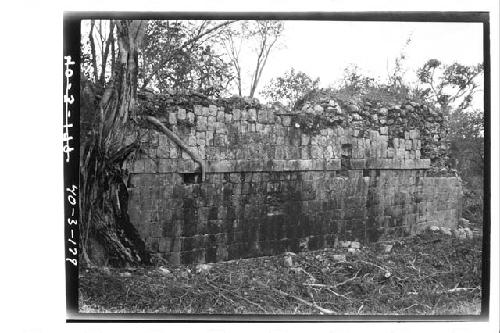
429 274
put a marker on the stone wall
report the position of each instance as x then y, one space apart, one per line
279 180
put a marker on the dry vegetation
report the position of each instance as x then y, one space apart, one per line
429 274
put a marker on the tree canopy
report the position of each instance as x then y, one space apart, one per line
200 55
289 87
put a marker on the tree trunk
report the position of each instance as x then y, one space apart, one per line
104 195
92 51
109 41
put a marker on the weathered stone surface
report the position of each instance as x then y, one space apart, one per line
271 185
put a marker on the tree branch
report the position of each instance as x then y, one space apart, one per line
187 43
106 53
282 293
172 136
92 50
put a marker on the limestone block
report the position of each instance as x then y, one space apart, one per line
201 123
316 153
212 110
278 165
330 154
190 116
191 140
181 114
304 153
244 115
172 118
373 135
252 115
163 140
286 120
173 152
334 164
318 109
163 151
236 114
198 110
138 166
174 258
164 244
262 116
166 165
305 164
395 143
186 166
414 134
318 164
382 149
358 163
220 128
408 144
373 151
220 116
200 136
220 166
211 123
209 138
425 163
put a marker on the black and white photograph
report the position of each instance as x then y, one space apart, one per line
267 166
240 167
277 166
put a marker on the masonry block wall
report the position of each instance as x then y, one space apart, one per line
286 181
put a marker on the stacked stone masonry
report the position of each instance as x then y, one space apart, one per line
284 181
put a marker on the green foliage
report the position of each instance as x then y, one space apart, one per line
450 86
453 87
466 124
360 86
289 87
178 55
184 54
356 82
312 124
466 136
466 130
395 81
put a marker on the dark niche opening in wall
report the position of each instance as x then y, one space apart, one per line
191 178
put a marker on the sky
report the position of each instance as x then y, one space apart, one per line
325 48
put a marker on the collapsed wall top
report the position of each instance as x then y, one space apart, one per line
325 128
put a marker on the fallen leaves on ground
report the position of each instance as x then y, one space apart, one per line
428 274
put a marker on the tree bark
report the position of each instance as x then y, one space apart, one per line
172 136
109 41
92 50
104 195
